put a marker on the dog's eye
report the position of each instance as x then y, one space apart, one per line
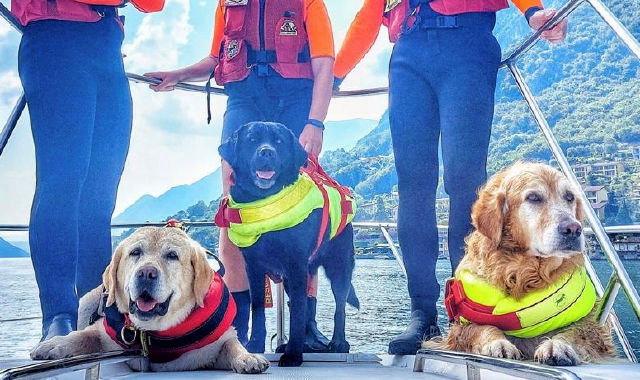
569 197
135 252
534 198
172 255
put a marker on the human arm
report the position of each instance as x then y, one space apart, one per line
537 17
311 136
360 37
199 71
320 37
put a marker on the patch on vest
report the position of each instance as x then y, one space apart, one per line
390 4
231 48
560 300
233 3
288 28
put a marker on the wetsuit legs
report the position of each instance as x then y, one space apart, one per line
80 109
441 91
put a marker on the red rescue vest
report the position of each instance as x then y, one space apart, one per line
202 327
397 11
283 44
26 11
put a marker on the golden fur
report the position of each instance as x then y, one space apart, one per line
182 281
517 247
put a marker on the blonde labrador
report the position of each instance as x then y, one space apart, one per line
528 237
160 284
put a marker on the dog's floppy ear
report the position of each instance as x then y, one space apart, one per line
228 148
110 276
488 211
202 273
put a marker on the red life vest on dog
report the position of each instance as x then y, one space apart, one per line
399 12
26 11
202 327
283 44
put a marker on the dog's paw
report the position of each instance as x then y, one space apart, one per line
250 363
339 346
290 360
54 348
501 348
556 352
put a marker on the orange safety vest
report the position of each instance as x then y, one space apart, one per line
399 12
283 43
26 11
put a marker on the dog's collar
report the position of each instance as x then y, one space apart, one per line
468 298
291 206
203 326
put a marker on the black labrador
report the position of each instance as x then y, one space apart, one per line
267 158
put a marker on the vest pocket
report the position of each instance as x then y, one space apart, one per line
232 65
234 20
290 38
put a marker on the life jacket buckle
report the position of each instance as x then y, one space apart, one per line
446 22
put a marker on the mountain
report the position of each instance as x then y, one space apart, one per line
9 250
155 209
342 134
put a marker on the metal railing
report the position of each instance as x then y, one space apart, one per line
89 363
475 364
619 279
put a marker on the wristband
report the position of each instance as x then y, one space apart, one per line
316 123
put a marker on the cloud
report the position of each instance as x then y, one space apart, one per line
171 142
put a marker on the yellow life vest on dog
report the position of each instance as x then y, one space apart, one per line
286 209
468 298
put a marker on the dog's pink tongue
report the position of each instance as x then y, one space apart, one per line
265 175
146 305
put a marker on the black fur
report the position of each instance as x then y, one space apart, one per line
271 147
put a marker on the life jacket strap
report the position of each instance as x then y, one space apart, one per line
459 306
256 57
226 214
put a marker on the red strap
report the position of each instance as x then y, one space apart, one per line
226 214
320 178
459 305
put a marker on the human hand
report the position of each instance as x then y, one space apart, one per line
169 79
553 35
311 139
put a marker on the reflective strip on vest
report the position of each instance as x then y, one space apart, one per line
284 33
286 209
567 301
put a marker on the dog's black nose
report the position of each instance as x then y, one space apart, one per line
570 228
266 152
147 272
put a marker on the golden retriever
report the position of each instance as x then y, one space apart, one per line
527 237
161 291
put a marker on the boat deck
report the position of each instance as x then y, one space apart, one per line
437 365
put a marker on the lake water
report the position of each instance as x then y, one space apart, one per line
380 285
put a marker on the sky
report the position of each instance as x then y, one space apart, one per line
171 142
